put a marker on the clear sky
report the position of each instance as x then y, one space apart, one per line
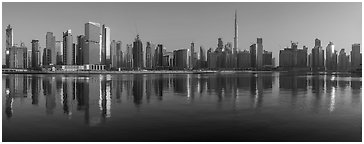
176 25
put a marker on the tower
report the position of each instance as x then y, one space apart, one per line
236 34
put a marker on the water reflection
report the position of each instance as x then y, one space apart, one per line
96 95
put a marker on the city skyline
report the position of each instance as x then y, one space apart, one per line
161 26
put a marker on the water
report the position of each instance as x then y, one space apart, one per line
182 107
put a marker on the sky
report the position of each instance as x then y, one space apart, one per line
176 25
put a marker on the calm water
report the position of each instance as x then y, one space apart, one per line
182 107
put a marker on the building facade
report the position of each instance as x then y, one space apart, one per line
68 48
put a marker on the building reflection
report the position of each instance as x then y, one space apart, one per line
94 96
49 91
138 89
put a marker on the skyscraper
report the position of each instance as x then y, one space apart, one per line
148 56
9 37
330 56
159 56
253 55
113 54
51 55
355 56
192 56
91 52
236 33
129 56
68 51
35 52
79 49
59 52
105 50
137 53
119 54
259 53
18 57
9 43
317 56
180 59
343 61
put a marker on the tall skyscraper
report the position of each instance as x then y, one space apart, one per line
9 37
236 33
51 54
18 56
9 43
59 52
343 61
192 56
105 51
68 51
148 56
259 53
159 56
129 56
113 54
119 54
138 53
317 56
267 58
92 51
253 55
330 49
79 49
355 56
35 53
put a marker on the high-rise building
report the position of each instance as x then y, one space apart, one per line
267 58
243 59
148 56
180 59
330 49
35 53
202 58
59 52
113 54
18 57
105 50
212 57
235 49
253 55
9 43
9 37
293 57
68 48
92 51
317 55
192 56
119 54
355 56
259 53
129 56
159 56
51 54
79 49
343 61
235 33
138 53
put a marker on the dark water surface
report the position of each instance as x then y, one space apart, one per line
182 107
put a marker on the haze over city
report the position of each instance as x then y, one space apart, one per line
176 25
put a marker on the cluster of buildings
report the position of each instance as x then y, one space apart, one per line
318 60
96 51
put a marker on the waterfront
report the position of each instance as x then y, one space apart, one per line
268 106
